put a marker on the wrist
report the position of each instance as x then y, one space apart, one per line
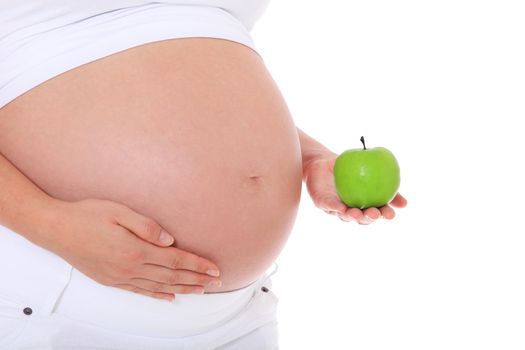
41 226
312 150
314 157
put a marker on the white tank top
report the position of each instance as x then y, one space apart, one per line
16 14
41 39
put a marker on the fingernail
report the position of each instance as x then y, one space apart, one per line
168 298
165 238
342 217
215 283
367 219
199 291
214 273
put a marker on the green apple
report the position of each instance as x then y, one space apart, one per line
366 178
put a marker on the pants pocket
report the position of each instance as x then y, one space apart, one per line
12 321
254 328
265 299
262 338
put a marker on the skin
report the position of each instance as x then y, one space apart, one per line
319 174
191 133
62 165
108 241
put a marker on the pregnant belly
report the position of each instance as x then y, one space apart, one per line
190 132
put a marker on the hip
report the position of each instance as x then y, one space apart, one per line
120 311
243 319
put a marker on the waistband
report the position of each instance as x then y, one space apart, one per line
117 310
27 60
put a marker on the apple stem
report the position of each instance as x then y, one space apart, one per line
363 141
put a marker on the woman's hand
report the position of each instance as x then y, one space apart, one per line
319 175
118 247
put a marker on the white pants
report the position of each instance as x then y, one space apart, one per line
92 316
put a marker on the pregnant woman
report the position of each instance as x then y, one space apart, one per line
150 174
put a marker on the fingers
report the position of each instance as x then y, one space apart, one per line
174 258
136 289
387 212
156 287
365 217
369 215
144 227
354 214
372 214
332 203
347 215
399 201
172 277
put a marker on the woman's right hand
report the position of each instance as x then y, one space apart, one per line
116 246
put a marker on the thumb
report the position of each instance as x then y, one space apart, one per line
144 227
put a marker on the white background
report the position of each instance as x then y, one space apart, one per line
442 85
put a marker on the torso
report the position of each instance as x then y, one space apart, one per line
191 132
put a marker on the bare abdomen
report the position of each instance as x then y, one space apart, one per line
190 132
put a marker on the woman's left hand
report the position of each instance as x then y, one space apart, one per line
319 178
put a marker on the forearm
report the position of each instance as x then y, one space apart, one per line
311 149
24 208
